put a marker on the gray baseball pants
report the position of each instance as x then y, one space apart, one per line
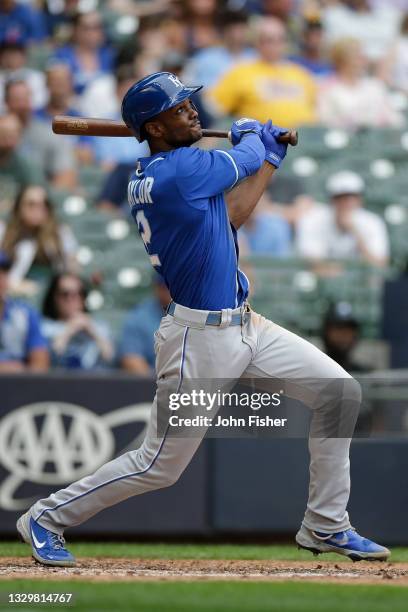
187 348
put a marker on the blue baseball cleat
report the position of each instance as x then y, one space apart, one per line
47 547
348 543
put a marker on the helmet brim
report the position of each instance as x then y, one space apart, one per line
180 97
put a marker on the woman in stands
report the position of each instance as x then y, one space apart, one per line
87 55
76 339
37 245
352 99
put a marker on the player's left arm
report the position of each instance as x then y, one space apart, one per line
243 198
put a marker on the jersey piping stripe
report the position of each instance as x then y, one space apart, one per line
154 161
113 480
233 163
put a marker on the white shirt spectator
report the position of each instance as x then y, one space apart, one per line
366 102
398 60
26 250
102 88
375 29
319 237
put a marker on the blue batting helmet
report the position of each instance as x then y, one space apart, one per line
152 95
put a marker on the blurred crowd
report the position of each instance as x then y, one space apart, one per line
341 64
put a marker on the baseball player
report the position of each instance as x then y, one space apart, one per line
188 204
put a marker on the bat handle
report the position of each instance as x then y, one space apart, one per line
290 137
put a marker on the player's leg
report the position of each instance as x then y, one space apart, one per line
183 353
334 397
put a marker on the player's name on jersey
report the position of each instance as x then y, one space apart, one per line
140 191
252 420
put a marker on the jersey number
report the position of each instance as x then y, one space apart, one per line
146 235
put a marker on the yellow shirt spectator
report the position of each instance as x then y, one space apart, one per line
281 91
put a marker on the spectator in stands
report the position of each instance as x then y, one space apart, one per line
76 340
288 12
60 93
374 27
58 17
344 229
312 54
87 56
104 87
199 21
113 196
110 151
20 22
351 99
35 243
270 86
265 233
61 101
394 68
287 197
208 65
340 335
13 61
52 154
15 171
136 347
22 346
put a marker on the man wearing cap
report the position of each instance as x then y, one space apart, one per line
22 347
344 229
340 335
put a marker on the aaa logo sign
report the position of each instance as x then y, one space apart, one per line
56 443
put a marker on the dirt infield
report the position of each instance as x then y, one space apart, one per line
114 570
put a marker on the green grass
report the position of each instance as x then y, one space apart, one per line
286 552
215 597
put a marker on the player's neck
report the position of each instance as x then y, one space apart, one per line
159 146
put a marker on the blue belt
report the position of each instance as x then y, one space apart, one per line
213 318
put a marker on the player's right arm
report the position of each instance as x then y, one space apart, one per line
202 174
242 200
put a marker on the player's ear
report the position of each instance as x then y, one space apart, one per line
154 129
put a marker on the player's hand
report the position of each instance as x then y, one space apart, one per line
274 151
244 126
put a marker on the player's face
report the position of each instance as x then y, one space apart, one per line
179 126
69 297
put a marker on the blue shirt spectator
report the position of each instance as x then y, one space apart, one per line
20 332
113 195
22 345
44 115
318 68
136 347
265 234
20 23
87 56
76 339
81 76
312 56
110 151
208 65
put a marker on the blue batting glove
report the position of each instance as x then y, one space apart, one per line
274 150
244 126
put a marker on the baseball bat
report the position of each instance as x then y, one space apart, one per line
87 126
